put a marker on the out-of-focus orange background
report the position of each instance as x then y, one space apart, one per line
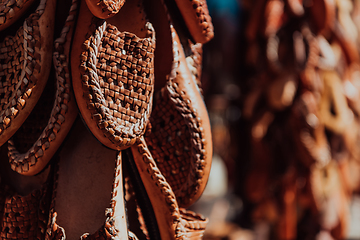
281 80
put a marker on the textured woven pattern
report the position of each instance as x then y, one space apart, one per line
24 217
19 61
176 139
9 9
41 128
168 140
203 18
194 224
118 78
197 19
181 224
105 8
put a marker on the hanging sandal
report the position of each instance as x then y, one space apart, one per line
113 74
29 211
11 10
173 222
24 202
25 63
88 190
30 150
179 136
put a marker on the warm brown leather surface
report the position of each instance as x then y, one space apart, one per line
105 8
12 11
173 222
180 114
197 19
38 138
24 217
84 184
25 81
114 91
112 71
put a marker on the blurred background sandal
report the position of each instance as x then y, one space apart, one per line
34 144
113 73
105 8
25 63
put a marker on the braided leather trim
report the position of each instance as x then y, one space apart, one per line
107 232
197 19
176 140
23 162
105 8
118 75
54 231
9 9
160 181
194 224
186 225
24 217
19 66
194 62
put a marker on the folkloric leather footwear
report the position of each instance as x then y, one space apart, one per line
173 222
88 190
25 63
105 8
30 212
10 11
113 74
30 150
179 135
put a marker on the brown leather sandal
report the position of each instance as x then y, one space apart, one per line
30 212
179 136
31 150
113 74
105 8
25 63
24 202
10 11
88 190
174 223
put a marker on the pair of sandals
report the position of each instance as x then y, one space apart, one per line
112 69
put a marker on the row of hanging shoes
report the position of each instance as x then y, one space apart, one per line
302 106
117 86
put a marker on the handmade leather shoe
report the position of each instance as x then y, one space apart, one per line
30 150
113 75
179 136
10 11
25 63
174 222
88 197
